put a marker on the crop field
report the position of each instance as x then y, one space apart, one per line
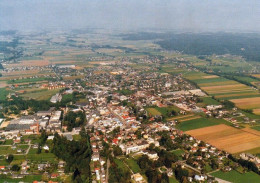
247 103
195 124
256 75
153 111
227 138
161 110
244 96
43 94
209 101
28 80
256 111
236 177
3 93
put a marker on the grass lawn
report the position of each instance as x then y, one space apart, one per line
120 164
3 93
173 180
161 110
76 137
210 80
28 178
133 165
41 94
179 153
196 123
254 151
236 177
210 101
41 157
27 80
125 92
250 115
153 111
8 142
256 128
6 150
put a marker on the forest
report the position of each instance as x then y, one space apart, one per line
245 45
76 154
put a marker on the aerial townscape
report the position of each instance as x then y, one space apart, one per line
97 105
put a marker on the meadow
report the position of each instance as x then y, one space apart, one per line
236 177
195 124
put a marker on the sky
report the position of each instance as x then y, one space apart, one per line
180 15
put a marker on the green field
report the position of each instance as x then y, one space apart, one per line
236 177
3 93
6 150
256 128
120 164
27 80
210 101
133 165
161 110
28 178
33 156
153 111
179 153
196 123
40 94
210 80
173 180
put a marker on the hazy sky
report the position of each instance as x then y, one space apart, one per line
188 15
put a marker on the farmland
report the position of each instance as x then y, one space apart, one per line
227 138
42 94
242 95
236 177
247 103
195 124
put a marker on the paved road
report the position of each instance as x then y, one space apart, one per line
221 181
27 151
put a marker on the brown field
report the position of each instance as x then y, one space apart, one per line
180 117
247 103
73 77
230 91
19 73
210 76
219 83
256 75
256 111
190 118
227 138
3 84
227 87
51 52
235 95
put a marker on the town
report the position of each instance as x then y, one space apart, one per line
74 112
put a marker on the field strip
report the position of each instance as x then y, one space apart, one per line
180 117
256 111
224 87
228 138
230 91
222 83
190 118
234 95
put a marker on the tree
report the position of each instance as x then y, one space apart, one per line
10 158
117 151
15 168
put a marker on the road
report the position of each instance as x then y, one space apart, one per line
107 171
